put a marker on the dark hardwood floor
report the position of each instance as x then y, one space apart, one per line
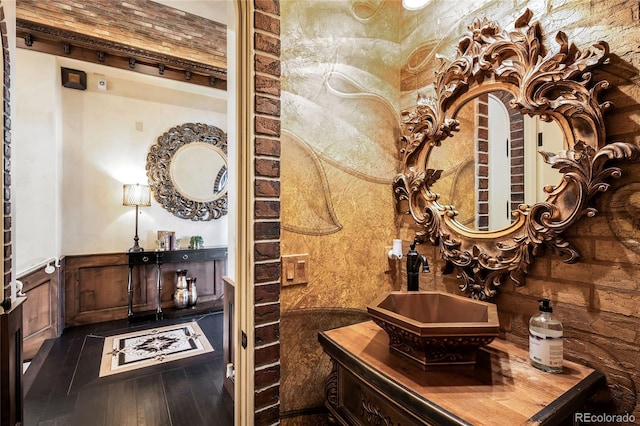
63 387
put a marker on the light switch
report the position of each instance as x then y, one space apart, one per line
290 275
295 269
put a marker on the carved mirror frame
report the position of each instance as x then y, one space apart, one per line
159 171
555 85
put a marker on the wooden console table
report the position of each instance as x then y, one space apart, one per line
369 385
159 258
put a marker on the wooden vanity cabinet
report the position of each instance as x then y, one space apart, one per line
369 385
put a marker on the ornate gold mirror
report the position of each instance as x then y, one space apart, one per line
452 168
187 171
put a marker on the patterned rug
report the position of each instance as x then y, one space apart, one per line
126 352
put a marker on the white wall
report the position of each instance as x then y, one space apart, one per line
36 151
85 146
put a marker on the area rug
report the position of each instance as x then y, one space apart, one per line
126 352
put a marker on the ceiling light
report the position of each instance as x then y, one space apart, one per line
414 4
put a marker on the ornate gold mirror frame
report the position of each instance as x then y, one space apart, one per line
554 85
160 177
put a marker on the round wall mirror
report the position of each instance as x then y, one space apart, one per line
187 171
199 171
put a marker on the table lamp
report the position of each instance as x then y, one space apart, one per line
136 195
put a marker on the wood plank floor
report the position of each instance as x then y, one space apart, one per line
65 388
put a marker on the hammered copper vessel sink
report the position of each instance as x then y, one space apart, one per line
434 329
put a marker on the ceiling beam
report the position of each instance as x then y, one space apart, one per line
41 38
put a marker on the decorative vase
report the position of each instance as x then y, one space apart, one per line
181 296
181 279
193 291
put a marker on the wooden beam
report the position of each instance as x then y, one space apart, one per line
52 41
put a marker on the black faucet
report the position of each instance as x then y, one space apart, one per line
414 260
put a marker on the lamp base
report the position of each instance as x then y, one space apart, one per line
136 248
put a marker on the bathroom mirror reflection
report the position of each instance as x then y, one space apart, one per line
187 171
199 171
494 164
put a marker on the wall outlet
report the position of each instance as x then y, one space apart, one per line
295 269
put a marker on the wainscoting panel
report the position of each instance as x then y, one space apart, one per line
40 310
95 286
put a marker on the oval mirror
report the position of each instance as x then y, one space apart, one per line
452 168
187 171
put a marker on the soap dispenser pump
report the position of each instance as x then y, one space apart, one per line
545 339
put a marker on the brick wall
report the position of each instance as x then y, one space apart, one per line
482 141
267 211
516 156
6 155
137 23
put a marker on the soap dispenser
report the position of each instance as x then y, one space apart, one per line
545 339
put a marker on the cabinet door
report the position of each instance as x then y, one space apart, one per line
360 404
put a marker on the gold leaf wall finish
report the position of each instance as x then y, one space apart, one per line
366 10
312 213
432 35
336 137
340 143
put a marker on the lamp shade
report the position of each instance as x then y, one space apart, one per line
136 195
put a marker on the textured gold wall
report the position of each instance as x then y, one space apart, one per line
340 84
340 77
349 67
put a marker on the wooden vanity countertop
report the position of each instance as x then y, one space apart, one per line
503 388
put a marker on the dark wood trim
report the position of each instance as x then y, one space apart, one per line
55 41
228 331
571 401
11 411
429 412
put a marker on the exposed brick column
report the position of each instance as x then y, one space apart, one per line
6 135
516 154
267 212
482 135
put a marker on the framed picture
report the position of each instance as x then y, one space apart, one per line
74 79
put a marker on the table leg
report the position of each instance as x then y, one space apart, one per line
159 288
130 293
